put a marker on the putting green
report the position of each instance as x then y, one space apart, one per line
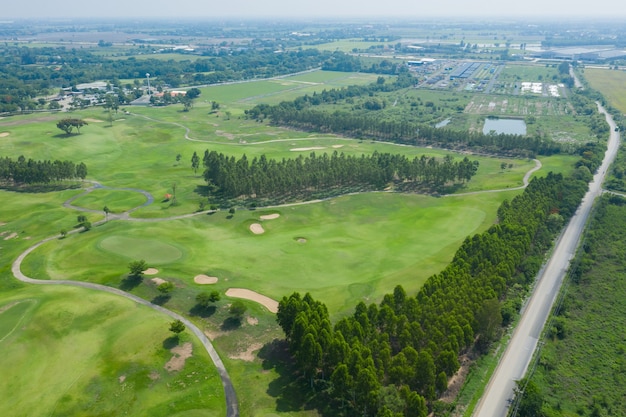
152 251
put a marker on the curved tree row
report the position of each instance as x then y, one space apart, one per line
390 359
264 177
22 171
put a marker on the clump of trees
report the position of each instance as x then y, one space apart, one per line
263 177
27 172
68 125
394 358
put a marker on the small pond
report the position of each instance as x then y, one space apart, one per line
506 126
442 123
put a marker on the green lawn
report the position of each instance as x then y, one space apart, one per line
79 352
610 84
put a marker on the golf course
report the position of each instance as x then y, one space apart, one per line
78 351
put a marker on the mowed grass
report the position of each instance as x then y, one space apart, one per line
115 200
79 352
345 250
612 84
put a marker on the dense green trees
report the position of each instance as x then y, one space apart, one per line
389 359
300 177
26 172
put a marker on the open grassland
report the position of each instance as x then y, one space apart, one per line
612 85
582 369
68 351
348 45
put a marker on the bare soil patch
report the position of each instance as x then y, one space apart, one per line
122 378
247 355
4 134
151 271
271 305
90 120
204 279
270 216
158 281
252 321
2 223
11 236
312 148
181 353
255 228
456 381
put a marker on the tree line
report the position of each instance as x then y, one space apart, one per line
27 172
394 359
264 178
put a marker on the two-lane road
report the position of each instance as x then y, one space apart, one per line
519 352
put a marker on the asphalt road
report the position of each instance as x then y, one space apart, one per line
519 352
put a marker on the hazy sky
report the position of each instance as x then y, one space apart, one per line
311 8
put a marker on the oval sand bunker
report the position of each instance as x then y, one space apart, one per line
204 279
270 216
257 229
151 271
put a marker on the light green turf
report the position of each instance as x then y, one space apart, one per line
151 250
115 200
357 247
79 352
610 84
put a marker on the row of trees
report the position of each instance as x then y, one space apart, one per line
26 172
294 114
263 177
390 359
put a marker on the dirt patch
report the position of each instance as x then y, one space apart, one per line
271 305
11 236
154 375
270 216
252 321
247 355
204 279
90 120
226 135
456 381
158 281
213 334
151 271
181 354
312 148
2 223
122 378
255 228
4 134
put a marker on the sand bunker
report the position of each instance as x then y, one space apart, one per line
93 120
4 134
312 148
204 279
337 146
270 216
301 240
158 281
181 353
151 271
14 234
255 228
271 305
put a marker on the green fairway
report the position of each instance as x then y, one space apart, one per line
152 251
116 200
79 352
343 250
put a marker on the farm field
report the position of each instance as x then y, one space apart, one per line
344 250
610 84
